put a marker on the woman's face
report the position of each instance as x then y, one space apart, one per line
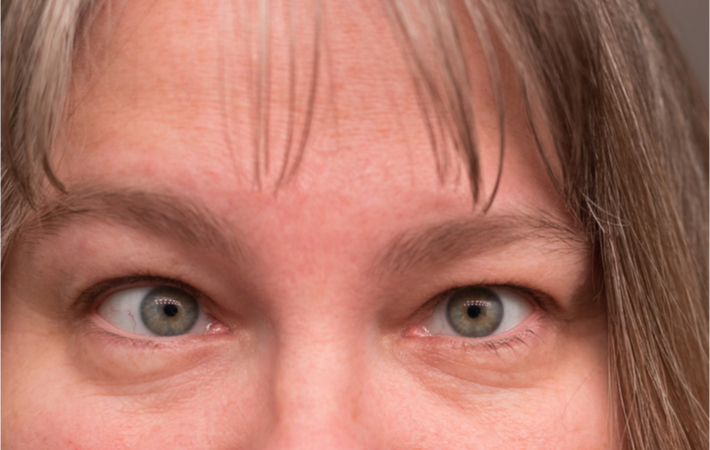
366 302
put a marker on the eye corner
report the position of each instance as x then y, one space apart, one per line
416 331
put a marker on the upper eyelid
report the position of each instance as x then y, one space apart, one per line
90 297
539 298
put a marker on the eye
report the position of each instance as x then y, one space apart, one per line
479 311
155 311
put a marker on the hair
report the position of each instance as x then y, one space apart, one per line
603 81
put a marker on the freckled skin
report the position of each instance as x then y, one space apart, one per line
312 347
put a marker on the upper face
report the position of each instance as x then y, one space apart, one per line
354 306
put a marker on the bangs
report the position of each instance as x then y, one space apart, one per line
435 41
615 113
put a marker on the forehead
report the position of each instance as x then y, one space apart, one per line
179 92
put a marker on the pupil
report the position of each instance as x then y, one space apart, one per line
473 311
170 310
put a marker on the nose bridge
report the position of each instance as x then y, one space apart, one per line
317 399
318 379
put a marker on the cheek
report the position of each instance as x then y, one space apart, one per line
543 418
54 404
564 403
51 403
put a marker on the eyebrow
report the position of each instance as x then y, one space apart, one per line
437 244
182 220
163 215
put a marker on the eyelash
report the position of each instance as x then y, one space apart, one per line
541 301
510 342
91 298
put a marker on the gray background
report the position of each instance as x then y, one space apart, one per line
689 21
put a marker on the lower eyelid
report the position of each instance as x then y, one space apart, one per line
98 324
108 332
498 362
497 344
517 335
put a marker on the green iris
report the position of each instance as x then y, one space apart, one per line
474 311
169 311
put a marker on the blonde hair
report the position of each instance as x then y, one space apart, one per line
626 119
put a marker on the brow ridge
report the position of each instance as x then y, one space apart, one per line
454 239
161 214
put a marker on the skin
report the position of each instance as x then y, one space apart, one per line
319 339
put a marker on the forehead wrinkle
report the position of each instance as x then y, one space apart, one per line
460 238
158 214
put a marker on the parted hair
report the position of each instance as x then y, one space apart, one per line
606 89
